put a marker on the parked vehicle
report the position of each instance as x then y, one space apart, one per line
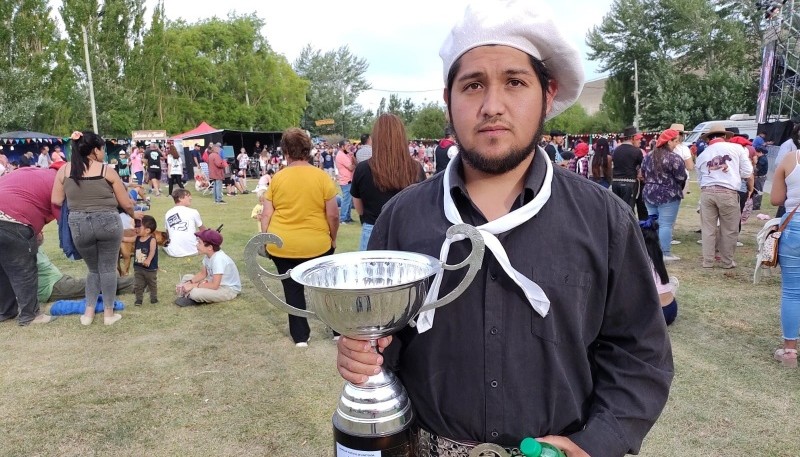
745 123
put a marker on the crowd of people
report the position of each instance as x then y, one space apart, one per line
544 297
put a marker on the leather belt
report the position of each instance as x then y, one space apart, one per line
7 218
625 180
427 444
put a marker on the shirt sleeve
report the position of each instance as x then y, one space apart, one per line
358 175
632 355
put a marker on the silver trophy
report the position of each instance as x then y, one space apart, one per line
367 295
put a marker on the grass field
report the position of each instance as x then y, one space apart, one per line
225 380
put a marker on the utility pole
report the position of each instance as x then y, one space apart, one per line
636 92
247 99
89 74
343 89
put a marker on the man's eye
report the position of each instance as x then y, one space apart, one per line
516 83
473 86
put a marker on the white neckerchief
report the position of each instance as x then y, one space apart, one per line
536 296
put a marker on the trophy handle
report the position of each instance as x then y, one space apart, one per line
259 274
473 260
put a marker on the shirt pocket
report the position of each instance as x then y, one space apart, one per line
568 292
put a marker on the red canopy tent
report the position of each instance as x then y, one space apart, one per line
200 130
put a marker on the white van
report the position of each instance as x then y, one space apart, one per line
746 124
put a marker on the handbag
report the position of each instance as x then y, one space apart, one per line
769 250
65 235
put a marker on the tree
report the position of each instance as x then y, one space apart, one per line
336 79
28 46
428 123
113 31
691 54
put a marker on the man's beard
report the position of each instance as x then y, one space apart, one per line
504 164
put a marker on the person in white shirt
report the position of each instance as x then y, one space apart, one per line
217 281
182 222
720 170
683 150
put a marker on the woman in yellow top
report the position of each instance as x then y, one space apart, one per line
300 207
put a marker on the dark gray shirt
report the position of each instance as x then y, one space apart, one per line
597 368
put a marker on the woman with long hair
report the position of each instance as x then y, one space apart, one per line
786 192
94 192
175 163
300 207
601 164
664 179
390 170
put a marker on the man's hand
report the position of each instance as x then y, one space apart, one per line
565 444
357 360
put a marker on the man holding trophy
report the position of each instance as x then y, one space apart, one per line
557 337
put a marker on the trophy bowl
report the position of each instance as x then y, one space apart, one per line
368 295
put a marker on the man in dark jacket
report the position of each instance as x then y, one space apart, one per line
445 150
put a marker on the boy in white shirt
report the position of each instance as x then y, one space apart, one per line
217 281
182 222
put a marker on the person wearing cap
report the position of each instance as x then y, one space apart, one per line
627 161
571 344
445 150
681 149
556 146
123 166
720 170
217 281
664 176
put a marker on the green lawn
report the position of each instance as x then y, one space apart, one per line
226 379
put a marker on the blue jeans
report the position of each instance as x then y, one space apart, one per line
18 277
347 204
217 190
139 177
789 258
667 214
366 232
97 236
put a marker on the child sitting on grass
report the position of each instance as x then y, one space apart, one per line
145 261
218 279
667 287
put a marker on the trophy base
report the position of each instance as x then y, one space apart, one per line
396 445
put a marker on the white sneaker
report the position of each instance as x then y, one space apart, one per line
739 244
301 345
336 338
670 258
699 241
674 242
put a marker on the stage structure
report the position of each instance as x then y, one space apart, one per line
779 88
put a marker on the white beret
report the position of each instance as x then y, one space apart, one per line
527 25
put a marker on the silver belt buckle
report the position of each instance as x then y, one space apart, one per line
488 450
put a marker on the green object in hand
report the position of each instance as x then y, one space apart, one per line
532 448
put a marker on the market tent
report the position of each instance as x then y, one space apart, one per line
15 144
200 130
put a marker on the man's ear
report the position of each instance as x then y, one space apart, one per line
446 96
552 90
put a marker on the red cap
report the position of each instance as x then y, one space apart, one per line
210 236
666 136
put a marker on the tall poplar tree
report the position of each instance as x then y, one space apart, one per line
28 46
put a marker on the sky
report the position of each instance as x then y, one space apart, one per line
400 41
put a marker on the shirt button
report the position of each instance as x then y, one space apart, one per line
494 331
494 383
495 434
493 276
